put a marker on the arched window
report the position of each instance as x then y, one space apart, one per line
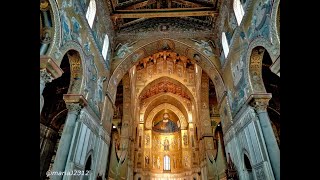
248 166
225 45
238 10
166 163
87 168
105 47
91 12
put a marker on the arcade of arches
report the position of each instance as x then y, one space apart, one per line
160 89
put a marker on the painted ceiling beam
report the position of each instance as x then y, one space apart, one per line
197 20
173 12
139 5
166 10
187 3
132 22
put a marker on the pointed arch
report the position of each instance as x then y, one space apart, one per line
77 67
209 65
254 59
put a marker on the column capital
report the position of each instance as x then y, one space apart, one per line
75 99
50 66
259 102
45 76
74 107
75 102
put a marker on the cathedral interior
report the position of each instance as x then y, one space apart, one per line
160 89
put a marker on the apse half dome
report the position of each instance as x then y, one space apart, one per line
166 122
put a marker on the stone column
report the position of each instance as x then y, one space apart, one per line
45 77
260 103
47 145
74 104
126 122
65 140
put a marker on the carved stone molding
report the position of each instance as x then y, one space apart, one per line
76 99
74 102
89 122
225 115
260 172
106 137
45 77
229 135
48 64
244 120
74 107
259 102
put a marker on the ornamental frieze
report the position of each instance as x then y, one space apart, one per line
90 122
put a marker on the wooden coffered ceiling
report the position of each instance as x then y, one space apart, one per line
129 12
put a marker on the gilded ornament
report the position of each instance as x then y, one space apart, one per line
46 35
44 5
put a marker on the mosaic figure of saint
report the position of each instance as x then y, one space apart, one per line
185 139
165 125
147 160
158 162
166 144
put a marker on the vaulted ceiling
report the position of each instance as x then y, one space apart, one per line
126 13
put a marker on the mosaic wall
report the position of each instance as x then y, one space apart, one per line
75 31
256 24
